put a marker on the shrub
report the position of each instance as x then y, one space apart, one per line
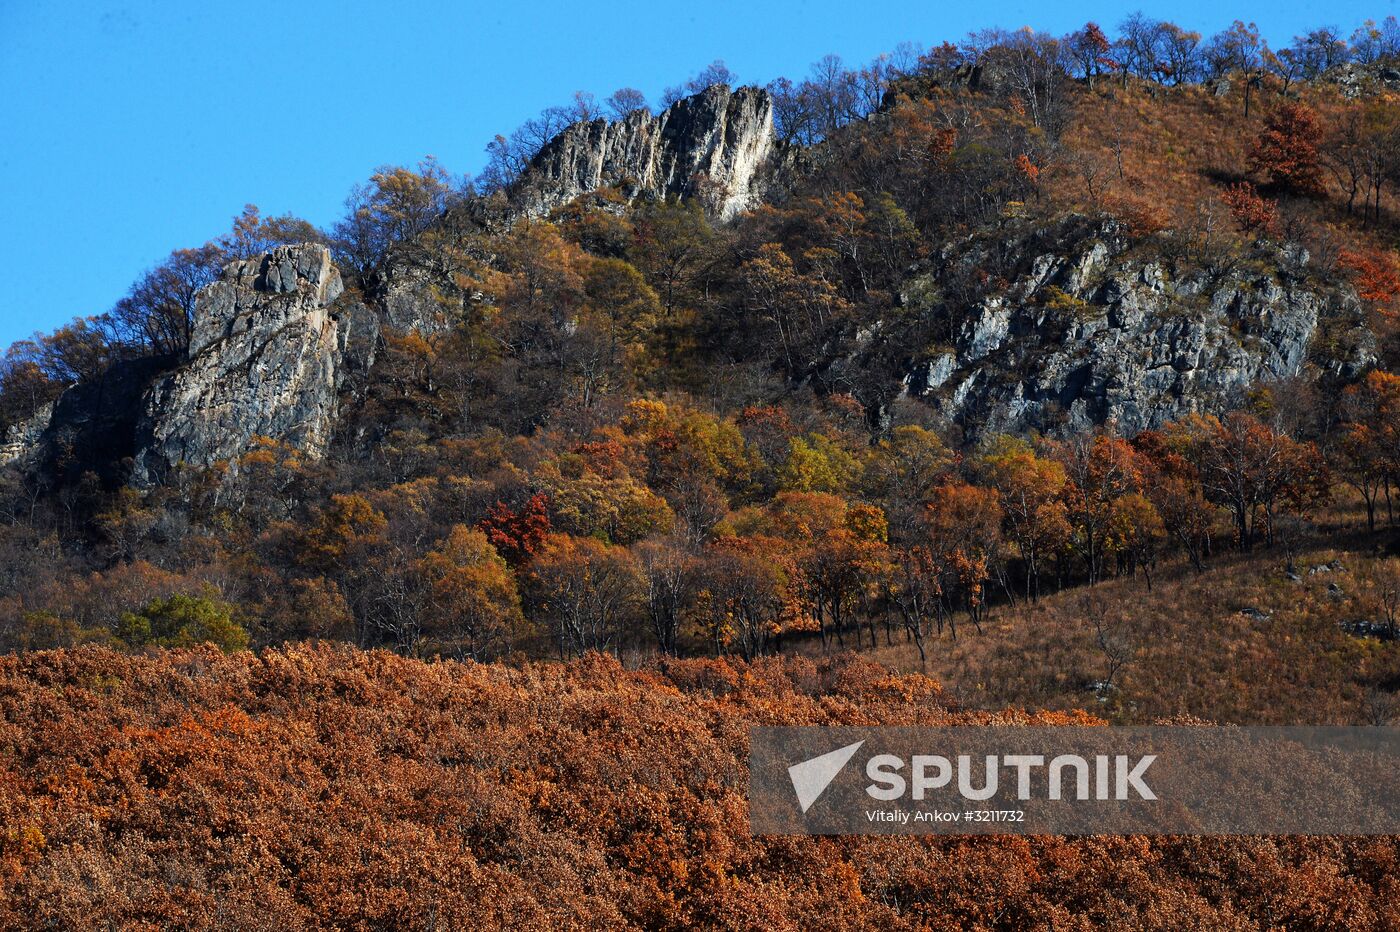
183 621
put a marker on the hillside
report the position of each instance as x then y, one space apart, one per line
600 355
427 570
1243 642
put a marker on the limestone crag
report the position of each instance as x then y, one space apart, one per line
410 296
1089 335
264 361
717 145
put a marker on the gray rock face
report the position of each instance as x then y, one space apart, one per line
1355 79
89 429
264 361
21 440
1093 335
263 295
409 297
715 145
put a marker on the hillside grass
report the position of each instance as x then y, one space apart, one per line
1185 647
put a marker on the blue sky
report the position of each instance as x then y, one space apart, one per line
129 129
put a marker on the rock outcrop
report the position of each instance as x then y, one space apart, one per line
22 439
410 296
1091 334
718 145
264 361
90 429
1355 79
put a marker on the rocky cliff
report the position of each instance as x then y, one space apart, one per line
264 361
89 430
1054 330
1355 79
1092 333
717 145
268 356
21 438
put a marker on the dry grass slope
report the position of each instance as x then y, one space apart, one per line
1187 648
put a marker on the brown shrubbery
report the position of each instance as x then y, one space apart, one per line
320 787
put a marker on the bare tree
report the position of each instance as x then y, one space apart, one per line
716 72
1111 636
624 101
669 574
1239 49
158 310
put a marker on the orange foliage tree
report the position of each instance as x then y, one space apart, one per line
1250 469
1370 448
1253 213
1098 470
586 592
1029 488
962 527
1286 152
473 604
517 535
1376 277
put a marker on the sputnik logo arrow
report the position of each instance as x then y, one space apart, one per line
811 777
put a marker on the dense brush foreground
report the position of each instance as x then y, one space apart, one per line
320 787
